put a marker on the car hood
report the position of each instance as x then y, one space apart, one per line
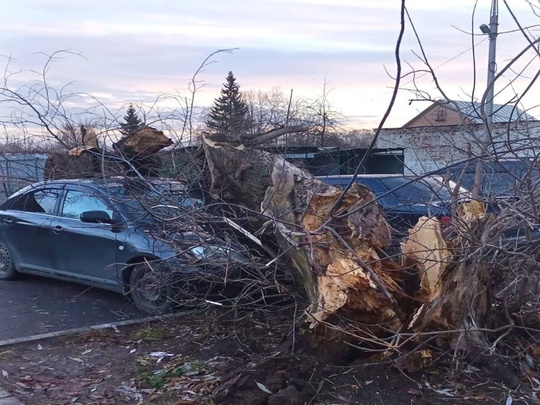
199 246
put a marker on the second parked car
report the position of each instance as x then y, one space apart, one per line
402 199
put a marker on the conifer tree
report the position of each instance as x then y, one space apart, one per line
229 114
132 122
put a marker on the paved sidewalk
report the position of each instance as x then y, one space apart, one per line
7 399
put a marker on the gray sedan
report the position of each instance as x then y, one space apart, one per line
108 233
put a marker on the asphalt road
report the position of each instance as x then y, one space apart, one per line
37 305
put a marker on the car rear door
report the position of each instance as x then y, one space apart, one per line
86 251
25 227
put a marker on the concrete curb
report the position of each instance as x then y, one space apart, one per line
7 399
113 325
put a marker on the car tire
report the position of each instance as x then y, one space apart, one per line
152 290
7 268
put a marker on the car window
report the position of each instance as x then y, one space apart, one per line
42 201
136 199
499 183
407 190
493 183
498 178
77 202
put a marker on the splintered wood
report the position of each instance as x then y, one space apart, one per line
334 255
455 294
143 142
427 250
353 277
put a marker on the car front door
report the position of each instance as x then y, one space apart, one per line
86 251
25 227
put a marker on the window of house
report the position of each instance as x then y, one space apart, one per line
440 114
77 202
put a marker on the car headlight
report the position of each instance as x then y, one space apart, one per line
209 252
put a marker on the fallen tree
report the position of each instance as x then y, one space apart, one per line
134 154
335 256
441 293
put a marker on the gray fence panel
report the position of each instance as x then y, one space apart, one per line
17 171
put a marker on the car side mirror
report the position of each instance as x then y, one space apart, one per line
96 217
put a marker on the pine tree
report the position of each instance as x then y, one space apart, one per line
132 122
230 114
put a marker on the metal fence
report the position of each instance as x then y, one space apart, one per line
17 171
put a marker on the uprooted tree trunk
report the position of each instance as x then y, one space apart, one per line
336 255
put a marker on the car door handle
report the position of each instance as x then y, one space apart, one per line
58 229
8 221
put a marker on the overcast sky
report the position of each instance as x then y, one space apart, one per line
135 50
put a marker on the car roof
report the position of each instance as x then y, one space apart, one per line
102 183
108 181
92 182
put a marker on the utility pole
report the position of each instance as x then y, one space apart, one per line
492 31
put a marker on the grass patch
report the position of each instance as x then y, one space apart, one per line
151 333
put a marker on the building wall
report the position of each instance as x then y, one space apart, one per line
431 148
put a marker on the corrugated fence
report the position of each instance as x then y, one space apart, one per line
17 171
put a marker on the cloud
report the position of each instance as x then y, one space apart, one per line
134 51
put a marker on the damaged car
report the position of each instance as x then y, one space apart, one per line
131 236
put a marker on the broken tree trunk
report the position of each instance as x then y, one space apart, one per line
144 142
136 151
426 250
454 282
457 290
335 257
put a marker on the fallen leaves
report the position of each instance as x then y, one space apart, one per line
197 364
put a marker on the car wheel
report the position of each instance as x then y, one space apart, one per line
7 268
152 290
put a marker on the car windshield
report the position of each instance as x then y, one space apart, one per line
141 202
498 178
493 183
410 190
